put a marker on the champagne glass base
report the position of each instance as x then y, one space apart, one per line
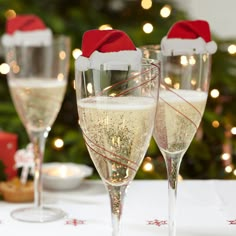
38 215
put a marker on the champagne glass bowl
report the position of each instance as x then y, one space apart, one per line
184 85
37 82
116 107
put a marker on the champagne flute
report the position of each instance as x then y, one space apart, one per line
37 81
116 107
183 94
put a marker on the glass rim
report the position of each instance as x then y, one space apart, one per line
151 47
188 54
157 48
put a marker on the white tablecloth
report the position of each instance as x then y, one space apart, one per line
205 208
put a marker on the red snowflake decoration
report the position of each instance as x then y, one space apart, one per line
75 222
157 222
232 222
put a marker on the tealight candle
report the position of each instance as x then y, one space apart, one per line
61 171
64 176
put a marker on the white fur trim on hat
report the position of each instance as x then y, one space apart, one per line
28 38
123 58
174 46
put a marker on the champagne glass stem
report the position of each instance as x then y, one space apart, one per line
38 139
173 162
117 194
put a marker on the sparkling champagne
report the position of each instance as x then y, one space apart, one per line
117 131
37 101
178 116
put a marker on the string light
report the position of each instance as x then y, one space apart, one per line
232 49
146 4
187 61
225 156
15 68
183 60
180 178
193 82
105 27
58 143
165 11
234 172
4 68
62 55
90 88
233 131
192 60
168 80
60 76
10 14
147 28
215 93
176 86
148 165
205 57
215 123
76 53
228 169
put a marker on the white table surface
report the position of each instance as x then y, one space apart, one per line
205 208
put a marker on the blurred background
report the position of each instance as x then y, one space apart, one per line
212 153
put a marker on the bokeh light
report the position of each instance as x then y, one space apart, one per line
76 53
225 156
146 4
234 172
58 143
228 169
105 27
165 11
147 28
232 49
148 165
215 93
233 131
10 14
62 55
184 60
168 80
215 123
4 68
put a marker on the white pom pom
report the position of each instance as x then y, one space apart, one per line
211 47
82 63
7 40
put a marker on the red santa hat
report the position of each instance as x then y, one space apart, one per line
188 37
107 46
26 30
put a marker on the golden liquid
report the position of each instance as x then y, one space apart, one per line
37 101
117 132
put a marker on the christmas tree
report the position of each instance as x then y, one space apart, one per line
212 152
